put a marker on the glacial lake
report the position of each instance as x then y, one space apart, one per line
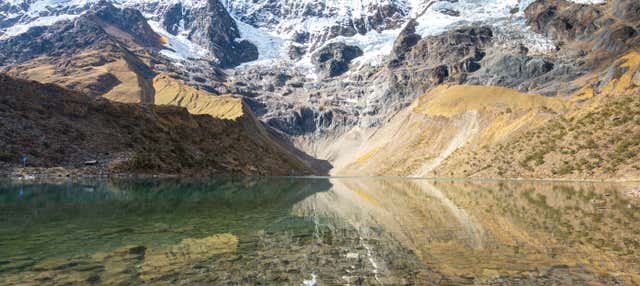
319 231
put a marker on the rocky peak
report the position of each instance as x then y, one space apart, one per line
103 25
213 28
129 25
312 23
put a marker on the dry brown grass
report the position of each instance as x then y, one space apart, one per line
598 138
447 118
170 91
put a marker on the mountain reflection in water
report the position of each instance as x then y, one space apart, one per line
285 231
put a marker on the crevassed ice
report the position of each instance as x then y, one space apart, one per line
269 46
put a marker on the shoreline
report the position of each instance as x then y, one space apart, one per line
99 172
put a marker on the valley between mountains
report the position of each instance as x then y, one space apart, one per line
417 88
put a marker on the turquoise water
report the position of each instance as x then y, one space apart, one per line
323 231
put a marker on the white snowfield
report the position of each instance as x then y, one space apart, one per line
274 33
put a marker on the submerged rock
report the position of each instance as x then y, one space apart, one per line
171 260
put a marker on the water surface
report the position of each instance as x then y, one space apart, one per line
293 231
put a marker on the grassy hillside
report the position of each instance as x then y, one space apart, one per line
419 139
170 91
57 127
491 132
600 138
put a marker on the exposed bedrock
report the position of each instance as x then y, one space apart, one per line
328 18
334 59
212 27
612 27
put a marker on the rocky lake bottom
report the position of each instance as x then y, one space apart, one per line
319 231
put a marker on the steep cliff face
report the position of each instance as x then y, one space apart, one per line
53 126
208 25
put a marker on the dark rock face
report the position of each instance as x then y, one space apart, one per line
296 52
302 121
214 29
64 38
511 70
447 56
627 9
566 21
334 59
130 21
407 39
172 17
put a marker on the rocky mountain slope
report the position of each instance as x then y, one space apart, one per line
340 80
53 126
585 130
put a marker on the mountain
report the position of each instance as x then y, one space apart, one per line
53 126
335 80
586 128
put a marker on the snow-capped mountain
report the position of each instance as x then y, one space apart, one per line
282 29
287 29
323 74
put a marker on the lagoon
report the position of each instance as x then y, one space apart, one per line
319 231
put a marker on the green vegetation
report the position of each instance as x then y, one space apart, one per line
603 141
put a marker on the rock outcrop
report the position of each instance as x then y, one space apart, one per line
568 22
212 27
333 59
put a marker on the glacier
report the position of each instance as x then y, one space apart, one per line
273 25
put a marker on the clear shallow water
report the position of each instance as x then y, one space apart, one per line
290 231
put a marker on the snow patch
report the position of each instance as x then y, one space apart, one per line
269 46
375 46
179 46
18 29
433 21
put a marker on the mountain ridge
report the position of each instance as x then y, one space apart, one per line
56 127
